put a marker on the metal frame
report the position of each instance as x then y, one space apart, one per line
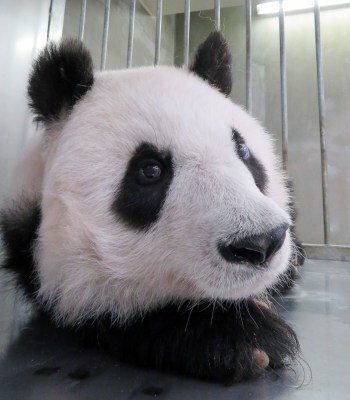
105 34
326 251
249 56
283 71
55 20
131 33
322 251
217 10
187 16
158 31
82 19
321 108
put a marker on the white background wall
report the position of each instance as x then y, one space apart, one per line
23 29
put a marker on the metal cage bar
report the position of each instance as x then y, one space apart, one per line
49 22
131 33
321 109
55 20
82 19
248 13
158 31
105 33
283 72
217 15
187 17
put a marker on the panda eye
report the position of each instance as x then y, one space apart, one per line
149 172
243 151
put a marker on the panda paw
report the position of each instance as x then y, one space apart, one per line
228 344
262 341
248 363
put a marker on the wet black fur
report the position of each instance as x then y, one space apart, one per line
60 76
213 63
139 205
203 341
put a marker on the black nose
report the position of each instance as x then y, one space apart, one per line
256 249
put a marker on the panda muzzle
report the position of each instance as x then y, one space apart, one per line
256 249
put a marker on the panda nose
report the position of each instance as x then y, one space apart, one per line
256 249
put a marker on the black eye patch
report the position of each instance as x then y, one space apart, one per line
144 188
251 162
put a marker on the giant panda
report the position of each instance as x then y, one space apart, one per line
151 215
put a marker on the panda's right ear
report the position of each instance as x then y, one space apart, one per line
61 76
213 63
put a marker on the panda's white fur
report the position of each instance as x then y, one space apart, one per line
90 262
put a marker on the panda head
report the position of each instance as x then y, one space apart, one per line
156 188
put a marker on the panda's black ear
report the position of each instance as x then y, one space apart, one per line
61 75
213 62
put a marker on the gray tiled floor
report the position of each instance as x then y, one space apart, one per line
44 365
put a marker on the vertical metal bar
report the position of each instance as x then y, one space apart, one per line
82 19
131 32
321 109
187 31
217 15
158 31
283 72
55 20
105 34
248 7
49 22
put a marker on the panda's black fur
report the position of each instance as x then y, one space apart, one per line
19 224
62 75
223 341
253 164
140 205
213 63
